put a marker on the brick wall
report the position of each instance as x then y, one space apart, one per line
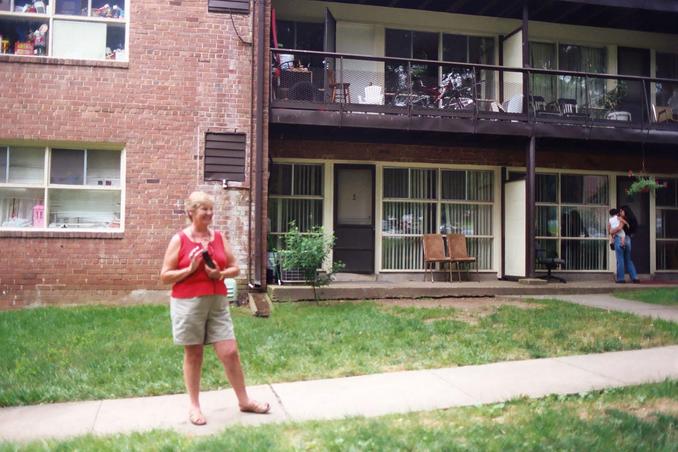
187 73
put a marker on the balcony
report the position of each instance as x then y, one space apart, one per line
345 90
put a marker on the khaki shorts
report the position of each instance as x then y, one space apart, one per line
201 320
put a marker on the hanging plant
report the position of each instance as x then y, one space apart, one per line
644 184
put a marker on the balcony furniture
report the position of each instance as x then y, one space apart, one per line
662 114
514 104
551 262
619 116
490 105
289 78
434 252
570 109
339 92
373 95
304 91
543 109
456 247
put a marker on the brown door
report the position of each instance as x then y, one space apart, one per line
354 217
640 205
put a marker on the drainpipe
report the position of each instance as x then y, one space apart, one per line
257 282
529 207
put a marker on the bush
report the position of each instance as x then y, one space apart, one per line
306 252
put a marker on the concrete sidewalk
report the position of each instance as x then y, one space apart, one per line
611 303
368 395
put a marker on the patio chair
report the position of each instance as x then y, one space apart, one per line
551 262
373 95
514 104
568 108
456 247
434 252
662 114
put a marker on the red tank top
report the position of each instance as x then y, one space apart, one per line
198 283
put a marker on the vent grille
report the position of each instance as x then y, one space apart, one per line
225 156
229 6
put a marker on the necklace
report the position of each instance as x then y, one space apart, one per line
203 239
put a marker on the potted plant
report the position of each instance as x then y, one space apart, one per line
644 184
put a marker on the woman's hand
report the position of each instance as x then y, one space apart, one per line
196 257
213 273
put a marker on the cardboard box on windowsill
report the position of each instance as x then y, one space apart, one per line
23 48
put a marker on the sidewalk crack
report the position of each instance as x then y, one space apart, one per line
280 402
96 416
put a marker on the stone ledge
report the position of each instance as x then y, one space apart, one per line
61 234
27 59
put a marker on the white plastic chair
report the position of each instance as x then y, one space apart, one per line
514 104
373 95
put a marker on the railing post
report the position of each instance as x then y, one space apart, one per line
648 109
588 100
409 89
341 83
474 94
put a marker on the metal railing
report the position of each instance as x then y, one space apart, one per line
431 88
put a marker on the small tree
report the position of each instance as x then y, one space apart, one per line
306 252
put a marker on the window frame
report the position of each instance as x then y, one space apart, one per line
276 237
659 208
438 202
48 187
50 16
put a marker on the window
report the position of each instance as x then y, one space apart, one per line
571 218
471 49
60 188
581 59
411 44
302 36
667 225
295 196
80 29
411 202
667 93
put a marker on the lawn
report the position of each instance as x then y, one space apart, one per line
642 418
665 296
59 354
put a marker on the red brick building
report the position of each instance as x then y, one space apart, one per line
107 144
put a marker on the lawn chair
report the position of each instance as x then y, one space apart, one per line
434 252
456 247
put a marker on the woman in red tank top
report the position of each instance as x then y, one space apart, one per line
196 262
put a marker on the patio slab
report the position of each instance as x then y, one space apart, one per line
370 290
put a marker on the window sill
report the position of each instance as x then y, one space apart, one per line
61 234
27 59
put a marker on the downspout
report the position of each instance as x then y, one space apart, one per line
257 282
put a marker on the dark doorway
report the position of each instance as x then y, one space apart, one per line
354 217
640 205
633 61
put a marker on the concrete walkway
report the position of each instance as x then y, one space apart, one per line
367 395
610 303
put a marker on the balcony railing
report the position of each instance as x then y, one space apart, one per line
352 85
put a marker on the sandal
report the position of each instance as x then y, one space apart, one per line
256 407
196 418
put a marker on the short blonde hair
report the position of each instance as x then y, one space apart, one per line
197 199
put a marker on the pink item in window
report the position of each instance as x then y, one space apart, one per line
38 216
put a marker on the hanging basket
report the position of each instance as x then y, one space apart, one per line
644 184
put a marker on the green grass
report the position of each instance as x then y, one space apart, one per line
642 418
665 296
59 354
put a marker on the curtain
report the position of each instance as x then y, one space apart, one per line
543 56
581 59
